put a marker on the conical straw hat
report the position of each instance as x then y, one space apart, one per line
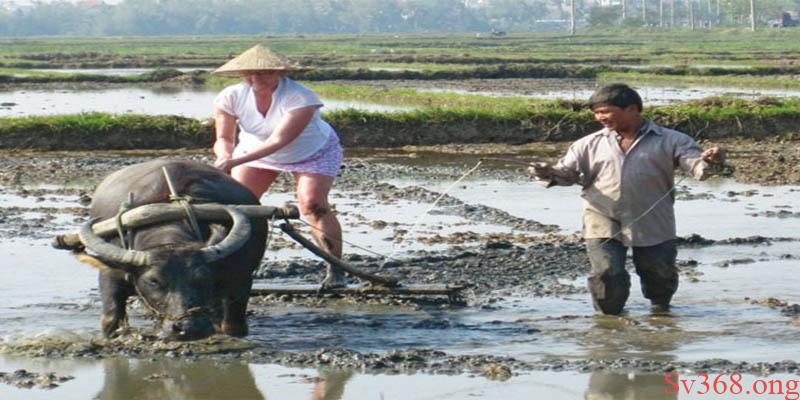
258 58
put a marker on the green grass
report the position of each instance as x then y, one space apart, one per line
448 119
765 47
83 131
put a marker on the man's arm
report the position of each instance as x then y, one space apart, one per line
696 162
565 172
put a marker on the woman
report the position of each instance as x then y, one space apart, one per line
280 129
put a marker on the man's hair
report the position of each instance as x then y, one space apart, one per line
619 94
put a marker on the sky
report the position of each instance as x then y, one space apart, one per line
31 2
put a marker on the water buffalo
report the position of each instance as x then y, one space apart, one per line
195 286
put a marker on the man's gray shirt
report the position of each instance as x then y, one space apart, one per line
620 188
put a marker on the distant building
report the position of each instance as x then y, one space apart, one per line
476 3
788 19
604 3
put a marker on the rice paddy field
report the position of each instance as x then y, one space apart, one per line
436 128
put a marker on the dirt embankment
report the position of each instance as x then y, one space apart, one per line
767 162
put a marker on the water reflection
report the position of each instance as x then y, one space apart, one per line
330 385
187 380
608 386
654 337
133 379
187 102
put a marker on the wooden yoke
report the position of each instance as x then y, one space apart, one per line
155 213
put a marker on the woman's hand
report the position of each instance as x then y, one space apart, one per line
225 164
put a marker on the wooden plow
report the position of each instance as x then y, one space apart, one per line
377 285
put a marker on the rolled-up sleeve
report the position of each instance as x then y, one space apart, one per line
302 98
226 101
689 157
566 171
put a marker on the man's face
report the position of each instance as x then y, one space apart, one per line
616 118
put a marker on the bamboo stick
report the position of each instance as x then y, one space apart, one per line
410 290
337 263
154 213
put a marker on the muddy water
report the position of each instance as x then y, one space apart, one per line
733 304
652 94
184 102
197 102
576 89
109 71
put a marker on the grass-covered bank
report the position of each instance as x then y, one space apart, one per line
759 76
11 76
99 131
712 118
764 47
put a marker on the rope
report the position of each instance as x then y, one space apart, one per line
343 241
160 314
642 215
269 233
185 202
125 243
441 196
470 171
413 228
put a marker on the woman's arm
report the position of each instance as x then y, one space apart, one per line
225 130
290 127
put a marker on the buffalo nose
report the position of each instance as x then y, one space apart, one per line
190 329
179 327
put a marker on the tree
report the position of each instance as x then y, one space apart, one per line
600 16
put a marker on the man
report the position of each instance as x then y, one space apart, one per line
627 173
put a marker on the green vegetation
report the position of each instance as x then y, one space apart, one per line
677 47
473 119
508 106
103 131
658 53
16 75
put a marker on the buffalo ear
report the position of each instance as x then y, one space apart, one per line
100 265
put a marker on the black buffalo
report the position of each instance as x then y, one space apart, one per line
195 286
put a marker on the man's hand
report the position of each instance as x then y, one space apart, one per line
541 170
714 155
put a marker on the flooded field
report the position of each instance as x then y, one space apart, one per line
107 71
195 103
581 89
736 309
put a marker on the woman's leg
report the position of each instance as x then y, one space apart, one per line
312 200
258 180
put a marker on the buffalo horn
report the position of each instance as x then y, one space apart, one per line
239 234
109 251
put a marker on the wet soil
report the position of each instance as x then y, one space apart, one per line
29 380
533 261
505 87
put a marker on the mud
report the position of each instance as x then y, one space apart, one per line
388 362
533 261
29 380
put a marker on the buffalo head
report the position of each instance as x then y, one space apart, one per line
174 278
